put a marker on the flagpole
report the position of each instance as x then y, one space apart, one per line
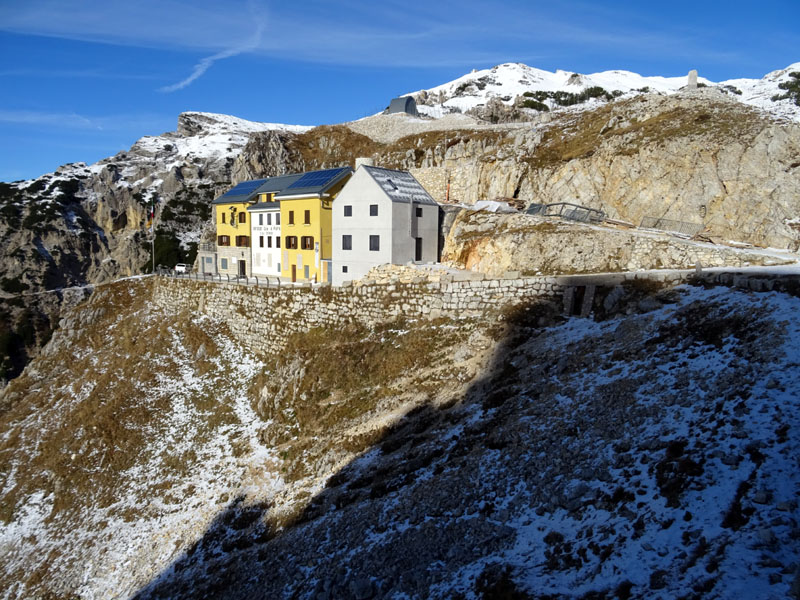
153 235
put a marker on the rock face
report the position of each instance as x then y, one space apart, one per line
697 157
84 224
700 159
266 154
493 244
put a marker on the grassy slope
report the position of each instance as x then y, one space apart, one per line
134 429
651 456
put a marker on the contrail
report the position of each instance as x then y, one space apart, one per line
206 63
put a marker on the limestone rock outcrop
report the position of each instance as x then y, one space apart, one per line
266 154
495 244
697 157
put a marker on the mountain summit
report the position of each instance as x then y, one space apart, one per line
510 81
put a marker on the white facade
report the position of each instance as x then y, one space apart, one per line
265 245
382 216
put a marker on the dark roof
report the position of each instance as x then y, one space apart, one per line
277 184
242 192
404 104
315 182
400 186
310 183
264 206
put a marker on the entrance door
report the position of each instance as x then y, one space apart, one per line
242 269
417 248
294 273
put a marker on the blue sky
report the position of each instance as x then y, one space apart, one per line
82 80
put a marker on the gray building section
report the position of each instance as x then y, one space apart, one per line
405 104
382 216
233 261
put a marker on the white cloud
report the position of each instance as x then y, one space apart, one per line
367 33
74 121
31 117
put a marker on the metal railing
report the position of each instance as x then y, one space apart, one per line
207 247
567 210
682 227
253 281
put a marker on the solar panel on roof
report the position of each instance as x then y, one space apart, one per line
316 178
244 188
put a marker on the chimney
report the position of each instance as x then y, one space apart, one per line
364 161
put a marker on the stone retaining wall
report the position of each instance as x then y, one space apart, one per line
263 318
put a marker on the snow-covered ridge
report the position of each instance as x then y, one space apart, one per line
509 80
199 135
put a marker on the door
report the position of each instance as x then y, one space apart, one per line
242 269
294 272
418 249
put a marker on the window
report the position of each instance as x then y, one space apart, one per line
223 263
261 219
347 242
291 241
374 243
278 268
269 219
373 210
305 272
291 217
344 268
269 241
277 218
348 210
307 242
223 240
419 211
242 217
208 260
307 218
222 214
243 241
260 239
277 241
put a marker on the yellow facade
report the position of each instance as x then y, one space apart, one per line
229 222
293 225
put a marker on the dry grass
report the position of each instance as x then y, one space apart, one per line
120 355
571 137
330 145
328 379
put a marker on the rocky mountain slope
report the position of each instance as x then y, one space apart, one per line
647 453
699 156
87 224
515 83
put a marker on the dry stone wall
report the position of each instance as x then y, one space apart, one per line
263 318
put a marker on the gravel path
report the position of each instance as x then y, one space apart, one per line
390 128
